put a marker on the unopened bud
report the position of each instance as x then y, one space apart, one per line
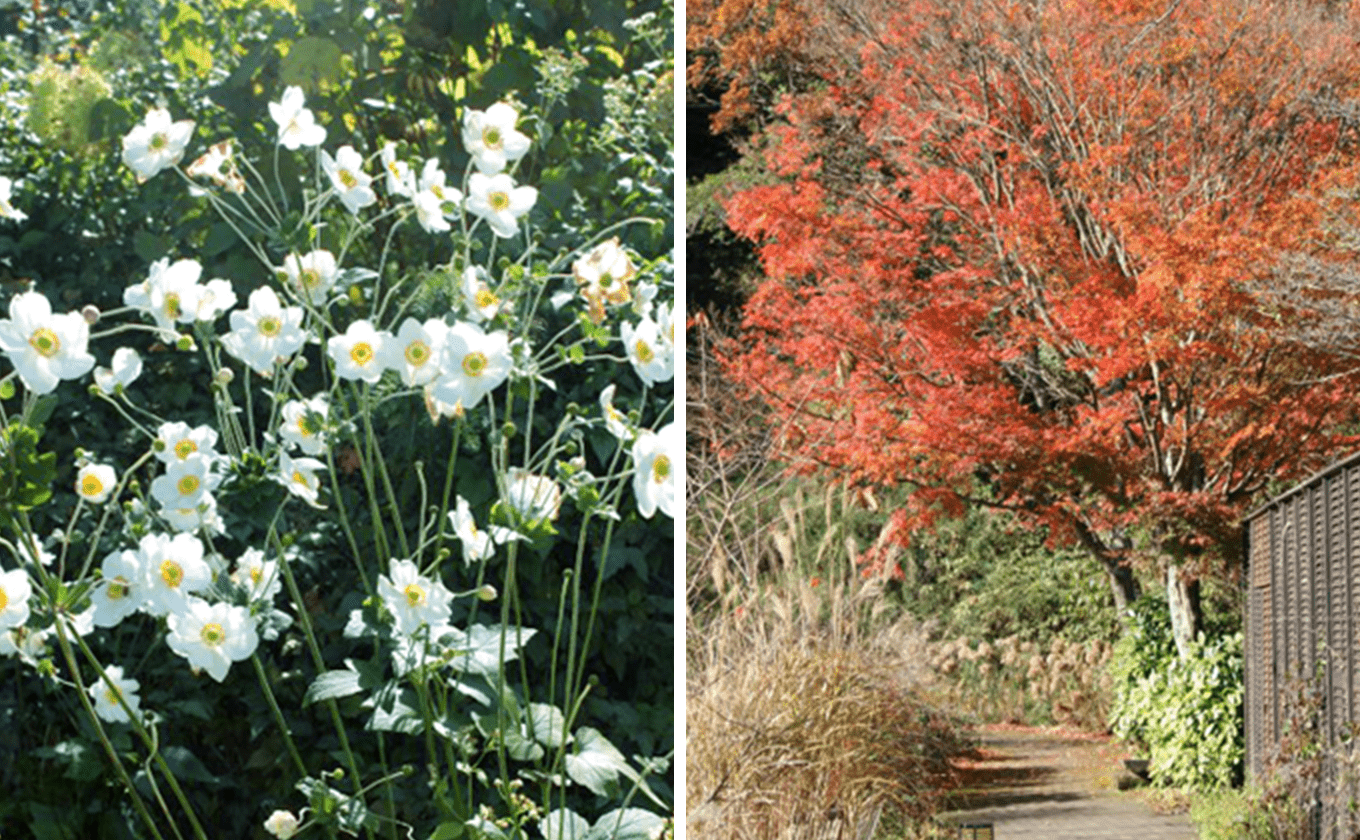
91 314
224 376
185 342
487 592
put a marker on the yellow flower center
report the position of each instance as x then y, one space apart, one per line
112 694
307 427
347 179
256 575
310 279
299 478
117 589
361 354
185 448
45 342
498 201
485 298
491 137
415 596
188 485
270 326
212 634
474 364
91 485
158 142
417 353
172 573
438 191
643 351
4 600
661 469
172 307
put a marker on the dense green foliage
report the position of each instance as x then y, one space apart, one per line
1186 712
595 81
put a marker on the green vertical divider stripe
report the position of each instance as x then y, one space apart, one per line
679 227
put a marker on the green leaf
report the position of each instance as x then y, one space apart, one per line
311 61
626 824
332 685
448 831
564 824
547 725
595 763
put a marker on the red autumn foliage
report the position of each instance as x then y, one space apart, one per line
1020 245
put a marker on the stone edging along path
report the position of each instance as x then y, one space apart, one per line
1054 785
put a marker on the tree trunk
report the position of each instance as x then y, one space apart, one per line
1182 597
1123 585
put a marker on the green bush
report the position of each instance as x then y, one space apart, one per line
1186 712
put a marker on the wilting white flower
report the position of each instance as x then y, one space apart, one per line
212 636
218 165
414 352
304 424
171 568
94 482
281 824
491 138
14 594
614 420
474 363
400 179
655 457
178 442
358 353
533 496
652 358
158 142
106 695
122 590
299 476
412 599
8 210
267 331
44 348
127 366
602 276
312 275
497 199
297 126
346 171
259 576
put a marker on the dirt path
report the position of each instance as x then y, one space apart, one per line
1055 785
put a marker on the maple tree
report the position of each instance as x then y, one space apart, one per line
1016 253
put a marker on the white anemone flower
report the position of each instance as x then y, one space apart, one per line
415 351
304 424
109 696
126 367
652 358
477 544
157 143
297 126
312 275
179 441
655 458
602 276
430 213
260 577
352 184
44 348
358 353
212 636
171 568
94 482
186 482
474 363
266 331
122 590
482 303
216 297
414 600
497 199
614 420
299 476
491 138
532 496
432 180
201 517
401 180
170 294
8 210
281 824
14 594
